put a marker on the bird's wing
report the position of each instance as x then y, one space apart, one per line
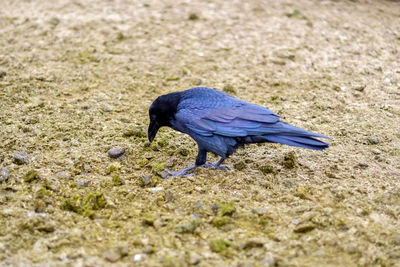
237 119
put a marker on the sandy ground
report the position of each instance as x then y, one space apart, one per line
77 78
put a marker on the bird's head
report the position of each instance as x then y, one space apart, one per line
161 112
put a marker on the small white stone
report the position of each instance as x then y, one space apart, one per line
137 257
156 189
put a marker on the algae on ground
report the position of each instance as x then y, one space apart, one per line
85 206
30 176
117 180
220 221
158 166
226 209
187 227
290 160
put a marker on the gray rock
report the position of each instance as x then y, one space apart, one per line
116 152
4 174
106 107
373 141
21 158
147 179
83 183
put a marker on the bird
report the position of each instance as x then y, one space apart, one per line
220 123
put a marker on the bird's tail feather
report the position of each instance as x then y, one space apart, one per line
299 141
287 134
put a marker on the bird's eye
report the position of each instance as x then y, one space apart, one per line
153 117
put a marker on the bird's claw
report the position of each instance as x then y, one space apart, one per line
170 174
214 165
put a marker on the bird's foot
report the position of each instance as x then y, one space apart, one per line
216 166
183 173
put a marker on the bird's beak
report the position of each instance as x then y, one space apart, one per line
153 129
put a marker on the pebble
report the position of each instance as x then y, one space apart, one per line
359 88
376 151
40 246
116 152
147 179
63 175
156 189
194 259
112 255
149 250
2 73
63 257
106 107
268 261
304 228
21 158
83 183
373 141
137 257
124 250
4 174
362 165
54 21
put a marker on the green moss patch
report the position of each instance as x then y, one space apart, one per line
85 205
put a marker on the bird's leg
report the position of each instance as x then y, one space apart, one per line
183 172
200 160
217 165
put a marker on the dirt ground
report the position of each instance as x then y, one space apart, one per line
77 78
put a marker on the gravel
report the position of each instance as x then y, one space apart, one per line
4 174
116 152
21 158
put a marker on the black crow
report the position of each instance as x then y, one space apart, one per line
220 123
